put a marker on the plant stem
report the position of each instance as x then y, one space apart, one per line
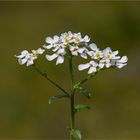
84 80
51 81
72 96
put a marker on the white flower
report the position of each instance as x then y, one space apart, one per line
59 47
95 53
66 38
77 38
86 39
92 66
60 58
53 42
121 62
109 54
59 55
93 47
26 57
83 52
23 54
75 50
104 63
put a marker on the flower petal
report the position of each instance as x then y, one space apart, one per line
83 55
120 65
51 57
40 51
83 66
93 47
124 59
48 46
74 53
22 61
116 57
24 52
60 60
20 56
107 65
107 50
80 50
49 40
56 38
61 51
86 38
101 65
92 70
29 62
115 52
90 53
55 49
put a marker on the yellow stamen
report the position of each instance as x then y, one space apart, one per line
97 55
77 39
107 56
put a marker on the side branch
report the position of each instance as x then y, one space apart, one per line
84 80
51 81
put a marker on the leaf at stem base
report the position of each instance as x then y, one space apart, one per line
56 97
76 134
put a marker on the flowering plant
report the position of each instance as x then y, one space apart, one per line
66 46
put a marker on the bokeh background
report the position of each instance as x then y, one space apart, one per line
115 106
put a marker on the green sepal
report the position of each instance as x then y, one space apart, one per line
56 97
80 106
76 134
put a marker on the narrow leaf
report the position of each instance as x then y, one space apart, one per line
76 134
57 97
80 106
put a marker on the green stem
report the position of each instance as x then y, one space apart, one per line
84 80
72 96
51 81
71 72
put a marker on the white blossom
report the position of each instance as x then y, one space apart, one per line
52 42
68 41
59 55
28 58
121 62
86 39
92 66
75 50
95 52
104 63
66 38
109 54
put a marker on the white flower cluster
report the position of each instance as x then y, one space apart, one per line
67 42
74 44
102 59
28 58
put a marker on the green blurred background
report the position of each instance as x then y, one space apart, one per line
115 106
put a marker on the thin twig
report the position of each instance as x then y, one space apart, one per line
46 77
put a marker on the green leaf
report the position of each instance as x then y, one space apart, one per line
57 97
76 134
80 106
